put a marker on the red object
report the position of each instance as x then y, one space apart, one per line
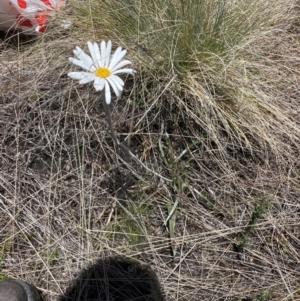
22 4
27 14
23 22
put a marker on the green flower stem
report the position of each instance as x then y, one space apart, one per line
109 122
124 147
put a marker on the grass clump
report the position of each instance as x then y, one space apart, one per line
209 51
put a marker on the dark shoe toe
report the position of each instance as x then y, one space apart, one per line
17 290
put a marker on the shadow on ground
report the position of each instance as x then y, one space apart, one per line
115 279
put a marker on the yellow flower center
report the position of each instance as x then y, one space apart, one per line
102 72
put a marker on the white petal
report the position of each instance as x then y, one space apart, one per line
117 59
121 64
79 63
107 54
103 52
129 71
84 57
107 93
93 53
88 78
118 81
114 60
78 75
114 86
99 83
97 53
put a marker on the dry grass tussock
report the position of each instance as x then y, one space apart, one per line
217 114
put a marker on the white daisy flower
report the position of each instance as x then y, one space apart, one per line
101 68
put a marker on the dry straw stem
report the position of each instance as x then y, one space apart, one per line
223 90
